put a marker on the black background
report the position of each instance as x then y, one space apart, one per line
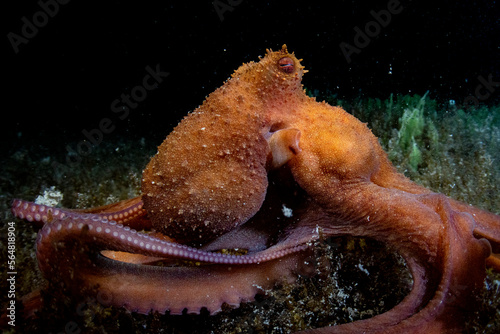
65 78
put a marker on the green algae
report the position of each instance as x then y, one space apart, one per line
412 126
449 150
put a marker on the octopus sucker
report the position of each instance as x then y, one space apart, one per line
221 180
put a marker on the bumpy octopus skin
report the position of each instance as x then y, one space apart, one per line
210 174
205 188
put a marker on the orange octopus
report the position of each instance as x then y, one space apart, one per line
204 191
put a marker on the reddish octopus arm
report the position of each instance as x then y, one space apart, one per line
143 288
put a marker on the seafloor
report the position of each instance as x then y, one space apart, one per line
445 148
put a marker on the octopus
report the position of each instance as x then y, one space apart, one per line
255 143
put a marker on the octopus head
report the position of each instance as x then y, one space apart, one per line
276 75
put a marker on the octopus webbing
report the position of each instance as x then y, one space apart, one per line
204 192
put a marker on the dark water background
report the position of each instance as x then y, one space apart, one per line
65 77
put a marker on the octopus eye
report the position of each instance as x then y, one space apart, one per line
286 65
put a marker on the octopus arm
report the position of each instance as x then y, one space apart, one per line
429 230
148 288
73 243
129 212
444 285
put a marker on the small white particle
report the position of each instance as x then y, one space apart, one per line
287 212
360 266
